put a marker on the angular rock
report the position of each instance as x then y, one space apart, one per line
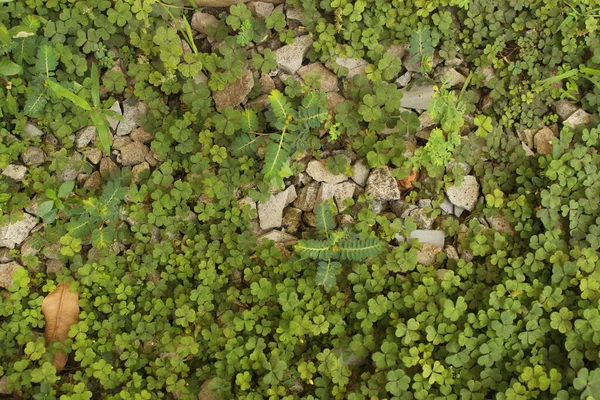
266 83
16 172
201 22
427 254
500 224
422 218
544 140
452 253
447 207
121 142
107 166
85 136
466 194
234 93
6 274
400 208
93 155
333 100
130 115
528 151
361 172
141 135
292 218
327 80
270 213
13 234
138 170
579 117
32 130
404 79
382 185
113 122
200 78
133 154
356 66
5 256
279 237
54 266
343 191
417 97
397 51
319 172
307 197
33 156
260 9
73 167
289 57
564 109
428 236
451 76
94 181
326 192
309 219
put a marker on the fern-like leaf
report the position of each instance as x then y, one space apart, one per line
356 249
244 144
324 213
327 273
249 121
24 50
277 167
47 61
103 237
79 228
37 97
315 249
280 106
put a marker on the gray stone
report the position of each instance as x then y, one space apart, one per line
33 156
234 93
377 206
356 66
85 136
334 99
579 117
113 122
343 191
54 266
500 223
451 76
107 165
32 130
15 233
202 21
427 254
417 97
544 140
327 80
528 151
326 192
361 172
289 57
488 74
5 255
428 236
260 9
319 172
200 78
141 135
458 211
130 114
133 154
526 136
93 155
270 213
295 14
404 79
266 83
382 185
307 197
72 169
425 121
397 51
400 208
422 218
564 109
466 194
16 172
138 170
278 237
309 219
292 218
6 273
447 207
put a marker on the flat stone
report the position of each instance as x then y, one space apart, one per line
234 93
397 50
327 79
382 185
270 213
361 172
579 117
94 181
528 151
417 97
131 114
33 156
200 78
54 266
452 253
466 194
5 255
278 237
295 14
202 21
73 167
85 136
31 130
334 99
526 136
152 158
356 66
133 154
138 170
425 120
107 165
121 142
307 197
404 79
544 140
500 223
113 122
309 219
292 218
458 211
326 192
451 76
260 9
93 155
289 57
447 207
141 135
429 236
16 172
427 254
422 218
343 191
319 172
13 234
266 84
564 109
6 274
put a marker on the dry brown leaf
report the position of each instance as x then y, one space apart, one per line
407 182
61 310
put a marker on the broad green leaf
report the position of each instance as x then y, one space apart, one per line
67 94
95 86
101 124
44 208
65 189
9 68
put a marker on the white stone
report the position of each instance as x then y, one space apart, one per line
579 117
130 114
6 273
113 122
382 185
32 131
417 97
85 136
16 172
466 194
15 233
361 172
319 172
270 213
289 57
429 236
278 236
343 191
356 66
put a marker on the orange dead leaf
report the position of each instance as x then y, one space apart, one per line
407 183
61 310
